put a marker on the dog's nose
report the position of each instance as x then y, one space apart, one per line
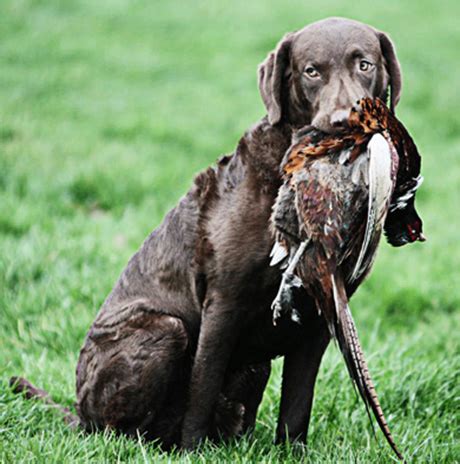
339 119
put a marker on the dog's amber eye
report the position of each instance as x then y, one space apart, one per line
365 65
310 71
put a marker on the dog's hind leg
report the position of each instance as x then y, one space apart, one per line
246 386
236 408
133 377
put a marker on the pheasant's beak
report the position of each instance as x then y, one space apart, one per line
421 237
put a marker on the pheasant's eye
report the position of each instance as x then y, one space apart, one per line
365 66
310 71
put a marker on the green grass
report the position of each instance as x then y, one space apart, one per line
107 109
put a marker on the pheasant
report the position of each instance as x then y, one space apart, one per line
339 192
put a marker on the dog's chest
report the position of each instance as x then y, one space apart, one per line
259 340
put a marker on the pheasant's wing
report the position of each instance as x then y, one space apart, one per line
285 224
381 175
408 178
284 216
403 224
319 204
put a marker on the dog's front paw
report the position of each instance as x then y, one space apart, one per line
193 433
191 439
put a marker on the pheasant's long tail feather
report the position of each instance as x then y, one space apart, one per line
347 338
380 176
20 385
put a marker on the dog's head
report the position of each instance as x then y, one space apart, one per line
315 75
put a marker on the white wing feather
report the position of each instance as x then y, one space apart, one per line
278 254
380 190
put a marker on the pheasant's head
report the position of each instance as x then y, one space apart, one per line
404 226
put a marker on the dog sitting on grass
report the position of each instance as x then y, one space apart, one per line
181 348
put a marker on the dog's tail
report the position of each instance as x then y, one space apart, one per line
20 385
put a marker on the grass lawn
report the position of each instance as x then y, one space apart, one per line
107 109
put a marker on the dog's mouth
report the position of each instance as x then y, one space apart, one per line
334 123
329 128
323 128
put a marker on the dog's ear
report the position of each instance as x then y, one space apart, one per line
272 73
393 68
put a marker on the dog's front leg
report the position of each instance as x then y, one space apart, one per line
299 375
215 343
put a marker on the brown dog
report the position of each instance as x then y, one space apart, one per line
181 348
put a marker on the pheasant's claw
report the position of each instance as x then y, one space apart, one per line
293 281
284 298
276 308
295 316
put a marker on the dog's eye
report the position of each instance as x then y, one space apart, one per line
365 65
310 71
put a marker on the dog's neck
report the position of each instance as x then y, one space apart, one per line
262 148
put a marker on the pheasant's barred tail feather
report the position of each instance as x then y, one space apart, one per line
347 338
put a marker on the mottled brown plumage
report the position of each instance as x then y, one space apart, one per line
338 192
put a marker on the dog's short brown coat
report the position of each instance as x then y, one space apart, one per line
181 348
